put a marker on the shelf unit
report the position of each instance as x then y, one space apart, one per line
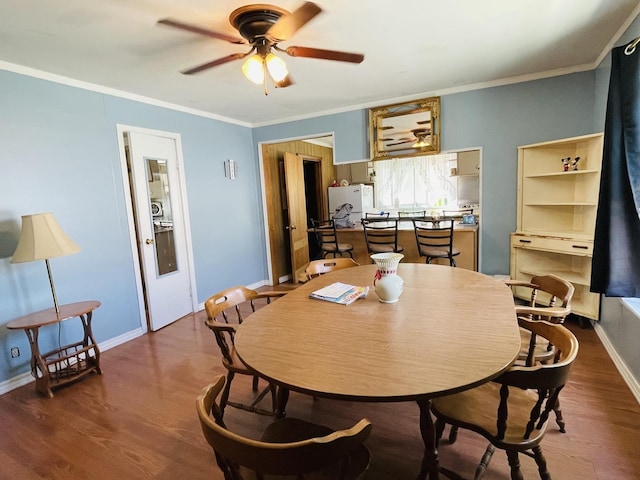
556 215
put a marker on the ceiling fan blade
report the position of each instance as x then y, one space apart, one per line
325 54
215 63
194 29
287 25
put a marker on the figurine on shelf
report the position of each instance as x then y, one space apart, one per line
565 163
574 164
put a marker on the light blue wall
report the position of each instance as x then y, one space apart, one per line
350 129
497 119
60 154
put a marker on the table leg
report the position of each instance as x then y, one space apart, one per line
89 340
43 384
427 430
282 397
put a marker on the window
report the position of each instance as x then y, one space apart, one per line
417 182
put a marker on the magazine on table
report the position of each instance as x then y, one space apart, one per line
341 293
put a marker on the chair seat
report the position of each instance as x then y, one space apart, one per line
385 248
470 409
436 252
341 247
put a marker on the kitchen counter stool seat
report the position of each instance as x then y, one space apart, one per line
327 238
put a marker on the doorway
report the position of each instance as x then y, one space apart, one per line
303 193
159 225
313 194
317 174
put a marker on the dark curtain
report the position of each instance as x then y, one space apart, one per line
616 251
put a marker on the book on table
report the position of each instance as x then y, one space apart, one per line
341 293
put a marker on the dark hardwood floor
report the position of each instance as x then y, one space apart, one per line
138 420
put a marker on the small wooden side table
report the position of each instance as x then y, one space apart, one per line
66 363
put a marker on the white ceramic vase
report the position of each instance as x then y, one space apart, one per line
387 284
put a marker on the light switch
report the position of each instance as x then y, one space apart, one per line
230 169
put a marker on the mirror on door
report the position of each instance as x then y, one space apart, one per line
160 205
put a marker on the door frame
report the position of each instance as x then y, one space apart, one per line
265 214
128 204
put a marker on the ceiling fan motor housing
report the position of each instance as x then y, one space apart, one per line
253 21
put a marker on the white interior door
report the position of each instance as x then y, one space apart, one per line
160 226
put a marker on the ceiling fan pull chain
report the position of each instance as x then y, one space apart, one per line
264 68
631 47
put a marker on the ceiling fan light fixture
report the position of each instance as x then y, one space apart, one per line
421 143
253 69
276 66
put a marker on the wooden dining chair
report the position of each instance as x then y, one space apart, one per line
548 298
544 297
512 411
434 239
288 446
327 238
381 235
320 267
225 311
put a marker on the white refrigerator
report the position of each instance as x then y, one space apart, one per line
359 195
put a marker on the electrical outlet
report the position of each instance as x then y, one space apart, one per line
15 352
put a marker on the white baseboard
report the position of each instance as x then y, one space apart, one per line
15 382
627 376
124 338
25 378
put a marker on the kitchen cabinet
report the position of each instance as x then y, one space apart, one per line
556 212
354 172
467 176
468 163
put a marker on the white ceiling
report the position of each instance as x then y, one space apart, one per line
412 48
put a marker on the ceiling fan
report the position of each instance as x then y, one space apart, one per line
263 27
418 138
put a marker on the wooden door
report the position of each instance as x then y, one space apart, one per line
297 209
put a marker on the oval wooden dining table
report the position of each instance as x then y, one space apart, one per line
452 329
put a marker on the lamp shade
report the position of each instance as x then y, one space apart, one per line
42 238
277 68
253 69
